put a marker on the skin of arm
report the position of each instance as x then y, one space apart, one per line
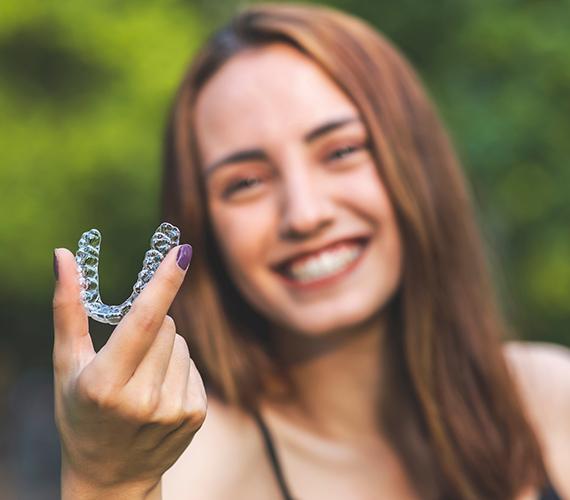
542 373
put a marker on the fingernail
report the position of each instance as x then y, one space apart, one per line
184 256
55 270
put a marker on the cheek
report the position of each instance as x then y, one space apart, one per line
242 233
366 192
374 204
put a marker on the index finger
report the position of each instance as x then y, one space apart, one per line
136 332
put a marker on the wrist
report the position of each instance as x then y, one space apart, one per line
75 487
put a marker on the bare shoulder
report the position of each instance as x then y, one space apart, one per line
224 460
542 373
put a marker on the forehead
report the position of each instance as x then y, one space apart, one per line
265 95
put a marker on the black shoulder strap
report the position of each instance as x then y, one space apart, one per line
549 493
272 453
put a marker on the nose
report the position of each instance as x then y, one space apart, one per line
306 208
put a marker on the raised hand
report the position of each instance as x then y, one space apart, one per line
125 413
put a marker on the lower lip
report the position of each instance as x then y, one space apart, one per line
327 280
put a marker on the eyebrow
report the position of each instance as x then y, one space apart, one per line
259 154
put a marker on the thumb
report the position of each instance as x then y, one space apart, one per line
72 342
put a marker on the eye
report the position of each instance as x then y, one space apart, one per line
341 153
344 152
241 185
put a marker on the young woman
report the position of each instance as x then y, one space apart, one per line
339 307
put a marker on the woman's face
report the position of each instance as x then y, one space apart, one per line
298 209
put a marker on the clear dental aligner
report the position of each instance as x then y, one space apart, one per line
164 238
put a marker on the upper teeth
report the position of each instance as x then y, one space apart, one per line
325 263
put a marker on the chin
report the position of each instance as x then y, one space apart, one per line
331 325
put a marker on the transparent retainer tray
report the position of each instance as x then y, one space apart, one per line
163 240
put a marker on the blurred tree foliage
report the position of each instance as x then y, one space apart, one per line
84 89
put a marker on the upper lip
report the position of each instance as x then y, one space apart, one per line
310 250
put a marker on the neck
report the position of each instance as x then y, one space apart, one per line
336 378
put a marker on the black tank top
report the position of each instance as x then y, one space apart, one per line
548 493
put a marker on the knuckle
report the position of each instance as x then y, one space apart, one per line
59 365
144 406
58 299
174 418
195 414
62 303
197 379
169 323
103 396
171 279
181 346
56 302
145 318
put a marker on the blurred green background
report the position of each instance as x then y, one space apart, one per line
84 90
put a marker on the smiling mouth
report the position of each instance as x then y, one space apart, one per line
325 265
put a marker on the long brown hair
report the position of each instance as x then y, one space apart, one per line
449 405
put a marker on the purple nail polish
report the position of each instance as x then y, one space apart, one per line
55 267
184 256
